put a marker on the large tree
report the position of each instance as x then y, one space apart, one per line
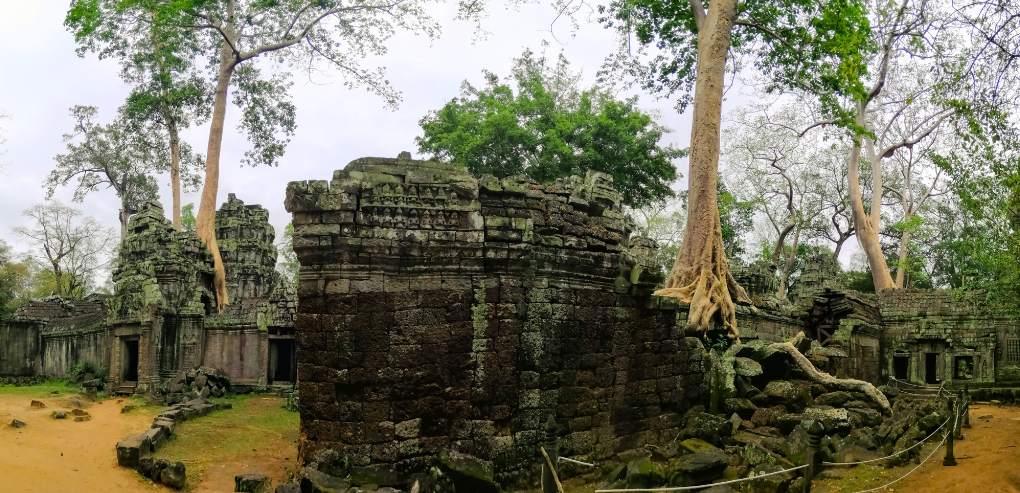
74 248
813 45
124 156
539 123
157 60
235 35
14 276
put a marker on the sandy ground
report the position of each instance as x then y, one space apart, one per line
988 459
50 455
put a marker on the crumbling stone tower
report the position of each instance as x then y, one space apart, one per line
443 314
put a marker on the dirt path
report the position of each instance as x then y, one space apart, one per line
988 461
51 455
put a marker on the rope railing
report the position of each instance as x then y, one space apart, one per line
958 407
890 456
701 486
936 449
574 461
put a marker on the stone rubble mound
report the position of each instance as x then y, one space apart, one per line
758 424
197 383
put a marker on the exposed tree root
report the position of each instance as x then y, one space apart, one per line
703 280
816 375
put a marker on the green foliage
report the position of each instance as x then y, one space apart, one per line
540 124
123 156
816 46
14 278
84 370
188 216
287 263
736 218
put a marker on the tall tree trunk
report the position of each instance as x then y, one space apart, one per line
839 248
124 217
901 264
205 222
175 173
787 269
701 275
867 230
58 278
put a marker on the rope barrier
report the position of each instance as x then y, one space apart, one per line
890 456
700 486
936 449
574 461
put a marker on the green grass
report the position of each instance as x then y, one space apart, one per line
257 424
41 390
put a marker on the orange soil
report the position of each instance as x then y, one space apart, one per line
51 455
988 460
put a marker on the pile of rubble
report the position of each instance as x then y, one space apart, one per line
765 398
197 383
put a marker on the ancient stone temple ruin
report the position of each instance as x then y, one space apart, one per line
442 316
161 318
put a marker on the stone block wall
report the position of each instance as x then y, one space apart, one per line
19 349
972 340
440 312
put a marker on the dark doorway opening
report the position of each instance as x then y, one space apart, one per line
168 354
282 361
901 366
129 361
931 368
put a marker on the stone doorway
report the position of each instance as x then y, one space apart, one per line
931 366
129 360
901 366
282 361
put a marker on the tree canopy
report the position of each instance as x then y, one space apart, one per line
539 123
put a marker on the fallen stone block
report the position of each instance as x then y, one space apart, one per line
155 438
37 405
59 415
173 476
130 450
15 423
251 483
128 408
79 419
166 424
79 412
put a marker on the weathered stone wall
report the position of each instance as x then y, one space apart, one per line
19 349
438 312
972 341
63 351
241 354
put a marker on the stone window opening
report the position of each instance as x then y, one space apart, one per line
963 367
1012 350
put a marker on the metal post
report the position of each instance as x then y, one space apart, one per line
966 406
959 415
950 459
814 430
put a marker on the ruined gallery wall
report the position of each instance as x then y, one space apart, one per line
19 349
240 353
975 342
440 312
62 350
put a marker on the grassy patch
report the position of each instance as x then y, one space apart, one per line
41 390
257 425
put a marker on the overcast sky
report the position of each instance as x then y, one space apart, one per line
42 78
